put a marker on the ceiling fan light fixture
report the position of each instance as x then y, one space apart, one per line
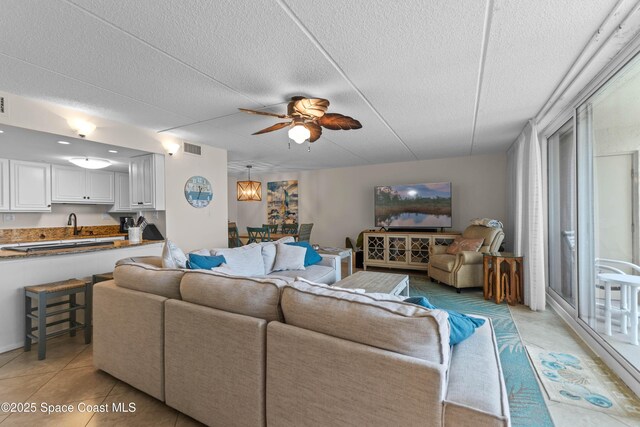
299 134
249 191
90 162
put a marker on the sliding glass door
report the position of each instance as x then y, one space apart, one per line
608 139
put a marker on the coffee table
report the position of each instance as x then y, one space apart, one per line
375 282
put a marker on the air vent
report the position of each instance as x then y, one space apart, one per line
196 150
3 105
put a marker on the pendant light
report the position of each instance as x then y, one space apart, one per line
249 191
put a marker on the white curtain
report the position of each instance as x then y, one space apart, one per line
525 205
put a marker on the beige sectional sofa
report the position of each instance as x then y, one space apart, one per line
274 351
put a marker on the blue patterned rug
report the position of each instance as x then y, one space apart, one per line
526 402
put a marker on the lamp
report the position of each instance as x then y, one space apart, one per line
82 127
299 133
171 147
90 162
249 191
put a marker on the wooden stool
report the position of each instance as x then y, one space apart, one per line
43 293
503 281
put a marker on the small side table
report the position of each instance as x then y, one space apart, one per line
343 253
503 277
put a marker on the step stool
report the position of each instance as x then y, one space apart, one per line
45 293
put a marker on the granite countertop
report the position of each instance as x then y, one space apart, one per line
43 234
118 244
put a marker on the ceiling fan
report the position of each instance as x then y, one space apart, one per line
308 117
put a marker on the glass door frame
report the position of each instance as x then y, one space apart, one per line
627 372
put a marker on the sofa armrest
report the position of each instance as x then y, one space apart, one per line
470 257
438 249
333 261
476 392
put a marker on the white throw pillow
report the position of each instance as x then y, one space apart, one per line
289 257
268 256
285 239
245 260
173 256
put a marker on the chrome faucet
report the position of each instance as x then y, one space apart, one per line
73 219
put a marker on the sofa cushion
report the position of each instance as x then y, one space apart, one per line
147 278
463 244
268 256
245 260
461 326
391 325
173 256
311 257
204 262
443 261
242 295
289 257
314 273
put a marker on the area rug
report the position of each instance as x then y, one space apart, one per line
526 401
568 379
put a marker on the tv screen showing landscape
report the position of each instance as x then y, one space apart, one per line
413 206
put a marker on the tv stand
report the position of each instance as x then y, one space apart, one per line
397 249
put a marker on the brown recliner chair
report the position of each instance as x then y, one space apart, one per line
464 269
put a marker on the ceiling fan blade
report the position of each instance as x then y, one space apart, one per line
310 107
337 121
315 130
277 126
263 113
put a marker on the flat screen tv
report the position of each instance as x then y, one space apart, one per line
417 206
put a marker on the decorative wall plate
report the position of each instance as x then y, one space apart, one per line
198 191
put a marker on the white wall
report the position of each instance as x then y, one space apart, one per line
340 201
190 228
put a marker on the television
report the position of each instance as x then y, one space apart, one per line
413 206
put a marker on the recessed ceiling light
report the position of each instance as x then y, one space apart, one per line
1 131
113 151
64 142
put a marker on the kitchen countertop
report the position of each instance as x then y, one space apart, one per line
118 244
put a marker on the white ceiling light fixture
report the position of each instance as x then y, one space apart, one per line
64 142
299 134
82 127
1 131
113 151
90 162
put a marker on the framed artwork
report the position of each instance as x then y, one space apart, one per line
198 191
282 202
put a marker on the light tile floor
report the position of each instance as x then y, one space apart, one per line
67 376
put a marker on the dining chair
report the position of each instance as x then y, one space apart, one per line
273 228
234 238
304 234
289 228
258 234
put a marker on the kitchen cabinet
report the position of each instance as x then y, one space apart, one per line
29 186
122 199
146 182
4 185
72 184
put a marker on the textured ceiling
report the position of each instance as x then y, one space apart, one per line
426 79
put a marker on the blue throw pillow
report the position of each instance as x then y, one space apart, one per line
203 262
461 326
311 257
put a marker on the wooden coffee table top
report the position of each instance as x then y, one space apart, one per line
374 282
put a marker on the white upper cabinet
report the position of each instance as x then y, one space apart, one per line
72 184
4 185
146 182
122 200
30 186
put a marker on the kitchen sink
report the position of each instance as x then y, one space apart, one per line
37 248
